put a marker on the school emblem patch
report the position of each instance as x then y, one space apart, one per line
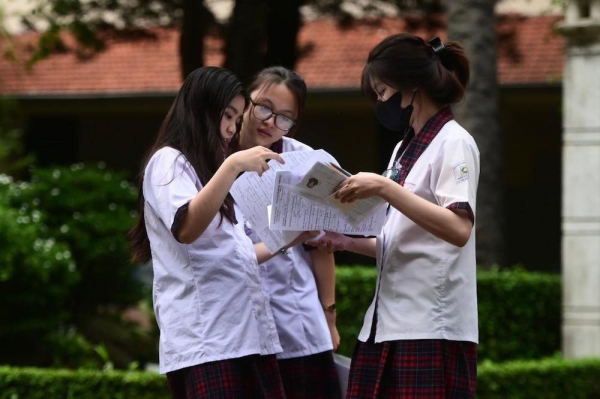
461 172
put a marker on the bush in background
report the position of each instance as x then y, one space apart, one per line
36 276
88 210
519 311
519 315
552 378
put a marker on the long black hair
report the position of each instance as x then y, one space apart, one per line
405 61
192 126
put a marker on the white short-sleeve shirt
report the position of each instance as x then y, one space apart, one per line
426 287
294 298
209 300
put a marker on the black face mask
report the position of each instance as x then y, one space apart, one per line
391 114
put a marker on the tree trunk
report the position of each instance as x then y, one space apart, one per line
246 39
194 26
472 23
283 23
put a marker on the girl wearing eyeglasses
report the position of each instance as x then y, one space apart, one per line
301 283
419 338
217 333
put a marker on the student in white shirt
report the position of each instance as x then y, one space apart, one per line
419 338
217 333
301 283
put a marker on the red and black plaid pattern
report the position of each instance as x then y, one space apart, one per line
413 146
313 376
247 377
414 369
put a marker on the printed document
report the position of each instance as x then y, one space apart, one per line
280 204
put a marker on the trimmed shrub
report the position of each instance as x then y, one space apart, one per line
519 315
355 287
31 383
519 312
549 379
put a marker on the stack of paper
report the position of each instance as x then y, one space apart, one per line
299 196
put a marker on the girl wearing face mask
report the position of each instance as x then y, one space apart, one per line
217 333
419 337
301 283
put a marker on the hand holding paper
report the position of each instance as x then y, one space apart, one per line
298 195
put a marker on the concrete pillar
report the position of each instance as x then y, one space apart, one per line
581 180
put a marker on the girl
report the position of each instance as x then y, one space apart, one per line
217 333
301 283
419 338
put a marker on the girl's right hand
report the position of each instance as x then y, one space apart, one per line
253 159
331 242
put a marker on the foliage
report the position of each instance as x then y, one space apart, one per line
36 276
90 209
552 378
249 45
355 287
519 312
86 211
12 154
30 383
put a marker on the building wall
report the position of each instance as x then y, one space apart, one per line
119 131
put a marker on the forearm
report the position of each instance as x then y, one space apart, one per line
205 205
363 246
262 253
452 227
324 272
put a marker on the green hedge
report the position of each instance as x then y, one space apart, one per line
549 379
519 312
32 383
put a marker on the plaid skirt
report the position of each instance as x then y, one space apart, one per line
313 376
433 369
247 377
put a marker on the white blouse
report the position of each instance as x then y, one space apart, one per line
209 301
426 287
298 313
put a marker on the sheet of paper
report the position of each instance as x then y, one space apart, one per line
253 194
292 211
320 182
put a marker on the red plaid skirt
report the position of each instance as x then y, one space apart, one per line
247 377
313 377
433 369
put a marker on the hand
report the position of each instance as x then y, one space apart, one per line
331 242
307 235
335 335
359 186
253 159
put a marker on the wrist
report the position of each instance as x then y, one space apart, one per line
384 187
330 308
232 165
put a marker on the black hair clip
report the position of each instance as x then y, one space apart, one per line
437 45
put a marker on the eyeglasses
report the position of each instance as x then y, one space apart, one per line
264 113
392 174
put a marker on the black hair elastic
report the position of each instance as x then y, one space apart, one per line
437 45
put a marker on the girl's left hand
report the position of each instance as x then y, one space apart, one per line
359 186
